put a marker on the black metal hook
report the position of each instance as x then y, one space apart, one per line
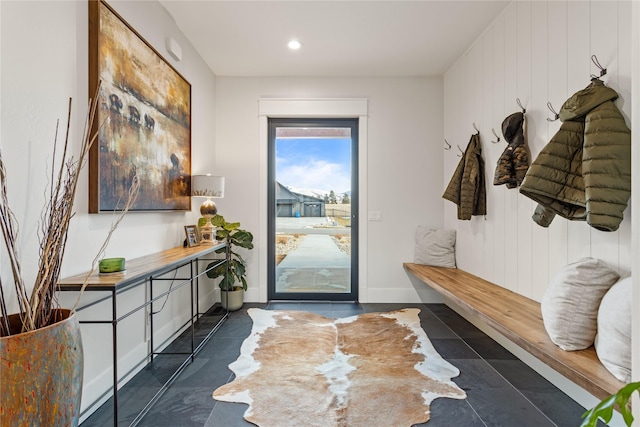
555 115
603 70
476 127
524 110
448 147
496 135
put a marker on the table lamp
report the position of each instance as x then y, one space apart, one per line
208 186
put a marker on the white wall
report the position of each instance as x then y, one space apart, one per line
403 161
537 52
44 62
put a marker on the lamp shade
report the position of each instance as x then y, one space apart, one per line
207 186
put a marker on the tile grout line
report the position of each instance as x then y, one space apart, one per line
495 370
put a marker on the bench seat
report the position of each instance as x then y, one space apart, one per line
519 319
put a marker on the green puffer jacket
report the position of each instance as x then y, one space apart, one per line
584 172
467 187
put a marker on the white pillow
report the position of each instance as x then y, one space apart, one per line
571 300
435 247
613 341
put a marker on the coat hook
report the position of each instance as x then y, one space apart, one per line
603 70
476 127
524 110
496 135
448 147
556 116
461 151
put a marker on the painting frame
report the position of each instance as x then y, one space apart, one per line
143 122
191 232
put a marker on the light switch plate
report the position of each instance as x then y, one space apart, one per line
375 216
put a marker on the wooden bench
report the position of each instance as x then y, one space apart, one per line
519 319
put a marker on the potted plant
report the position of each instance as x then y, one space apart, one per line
234 282
41 356
604 410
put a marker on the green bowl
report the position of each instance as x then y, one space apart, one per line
111 265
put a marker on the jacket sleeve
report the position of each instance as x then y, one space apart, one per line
543 216
606 166
520 163
480 199
452 192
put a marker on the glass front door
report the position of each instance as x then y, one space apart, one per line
313 218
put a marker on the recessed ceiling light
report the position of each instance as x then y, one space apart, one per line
294 45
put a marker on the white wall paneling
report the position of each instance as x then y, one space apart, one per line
537 131
537 52
498 206
556 93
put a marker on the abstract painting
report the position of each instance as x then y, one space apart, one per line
143 122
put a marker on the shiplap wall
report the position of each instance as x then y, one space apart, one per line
538 52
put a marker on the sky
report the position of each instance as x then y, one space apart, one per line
314 163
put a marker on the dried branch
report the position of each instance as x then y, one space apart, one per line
56 222
5 329
131 198
36 311
10 233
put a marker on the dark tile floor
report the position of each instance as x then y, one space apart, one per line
501 390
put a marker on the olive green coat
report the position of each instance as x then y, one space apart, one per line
467 186
584 172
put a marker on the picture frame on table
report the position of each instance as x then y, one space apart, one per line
191 231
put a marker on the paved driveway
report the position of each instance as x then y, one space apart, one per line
305 225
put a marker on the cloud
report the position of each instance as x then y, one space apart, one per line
314 174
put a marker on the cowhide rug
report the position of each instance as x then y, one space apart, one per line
303 369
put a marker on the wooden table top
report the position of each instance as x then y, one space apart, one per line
137 269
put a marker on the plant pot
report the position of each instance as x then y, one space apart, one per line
41 374
232 300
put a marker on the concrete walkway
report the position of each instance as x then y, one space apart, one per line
316 251
316 265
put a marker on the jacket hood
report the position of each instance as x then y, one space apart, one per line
586 100
512 128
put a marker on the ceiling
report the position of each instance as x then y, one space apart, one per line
340 38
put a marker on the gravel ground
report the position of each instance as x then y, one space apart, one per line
343 242
286 243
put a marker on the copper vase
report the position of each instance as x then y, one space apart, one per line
41 374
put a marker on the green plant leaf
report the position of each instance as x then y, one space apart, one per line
239 268
604 409
218 220
230 226
235 271
242 238
217 271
